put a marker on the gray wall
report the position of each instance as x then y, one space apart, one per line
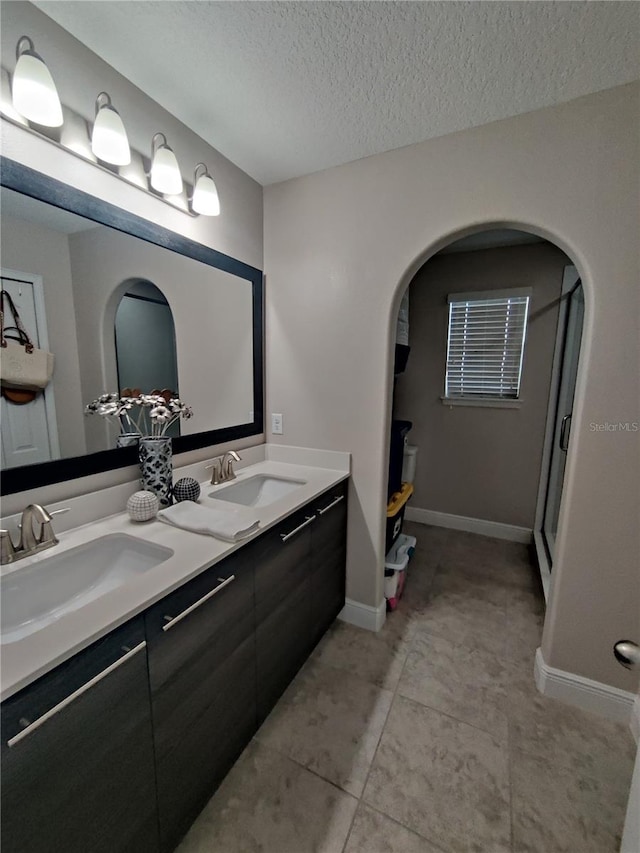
473 461
31 248
342 245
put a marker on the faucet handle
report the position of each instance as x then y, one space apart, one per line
227 464
216 473
46 532
7 548
60 511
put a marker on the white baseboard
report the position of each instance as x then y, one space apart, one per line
602 699
471 525
364 616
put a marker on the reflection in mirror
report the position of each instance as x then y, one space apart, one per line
118 311
146 343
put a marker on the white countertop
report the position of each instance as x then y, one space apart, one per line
30 657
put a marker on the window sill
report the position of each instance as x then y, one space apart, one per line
484 402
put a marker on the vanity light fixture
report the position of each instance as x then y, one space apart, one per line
35 106
33 91
165 172
109 141
205 193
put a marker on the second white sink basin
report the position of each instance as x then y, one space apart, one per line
58 583
260 490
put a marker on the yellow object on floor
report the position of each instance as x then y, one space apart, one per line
399 499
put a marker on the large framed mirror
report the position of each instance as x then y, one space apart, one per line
120 300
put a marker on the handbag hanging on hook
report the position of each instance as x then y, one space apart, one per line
24 368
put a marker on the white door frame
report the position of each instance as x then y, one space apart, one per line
43 343
569 279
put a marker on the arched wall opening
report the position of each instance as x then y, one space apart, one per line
545 428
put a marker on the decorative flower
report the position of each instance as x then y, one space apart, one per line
156 412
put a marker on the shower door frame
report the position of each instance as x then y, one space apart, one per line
569 280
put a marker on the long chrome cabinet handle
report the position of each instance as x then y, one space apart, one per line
172 620
73 696
331 505
308 520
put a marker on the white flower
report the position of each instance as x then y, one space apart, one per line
160 414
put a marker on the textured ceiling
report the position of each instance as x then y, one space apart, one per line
287 88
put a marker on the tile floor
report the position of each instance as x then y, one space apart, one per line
429 736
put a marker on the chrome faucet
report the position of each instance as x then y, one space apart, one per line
222 467
227 465
29 542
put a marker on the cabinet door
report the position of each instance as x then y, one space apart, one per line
202 675
328 558
283 606
77 755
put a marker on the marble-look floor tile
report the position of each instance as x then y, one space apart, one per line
430 540
465 682
443 779
556 810
374 657
373 832
565 736
471 621
506 563
417 589
471 584
269 804
329 721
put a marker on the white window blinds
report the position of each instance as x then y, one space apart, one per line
486 344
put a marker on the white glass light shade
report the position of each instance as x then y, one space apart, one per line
33 91
205 197
165 172
109 141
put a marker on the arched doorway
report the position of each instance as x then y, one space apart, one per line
492 458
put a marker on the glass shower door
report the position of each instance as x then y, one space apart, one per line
562 429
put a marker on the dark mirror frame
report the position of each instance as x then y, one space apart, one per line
25 180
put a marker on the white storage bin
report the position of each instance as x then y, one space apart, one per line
409 462
398 556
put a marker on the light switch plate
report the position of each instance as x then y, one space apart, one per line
276 424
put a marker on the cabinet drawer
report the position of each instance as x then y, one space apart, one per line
282 562
329 554
200 624
82 778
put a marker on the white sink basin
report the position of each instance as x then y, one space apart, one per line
260 490
56 584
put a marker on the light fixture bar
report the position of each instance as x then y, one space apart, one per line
140 184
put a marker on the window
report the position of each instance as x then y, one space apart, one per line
485 344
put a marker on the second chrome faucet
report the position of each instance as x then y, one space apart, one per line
222 467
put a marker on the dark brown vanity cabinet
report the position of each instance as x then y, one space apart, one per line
77 754
118 749
300 582
203 690
283 607
328 559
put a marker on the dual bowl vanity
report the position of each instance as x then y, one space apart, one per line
140 659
